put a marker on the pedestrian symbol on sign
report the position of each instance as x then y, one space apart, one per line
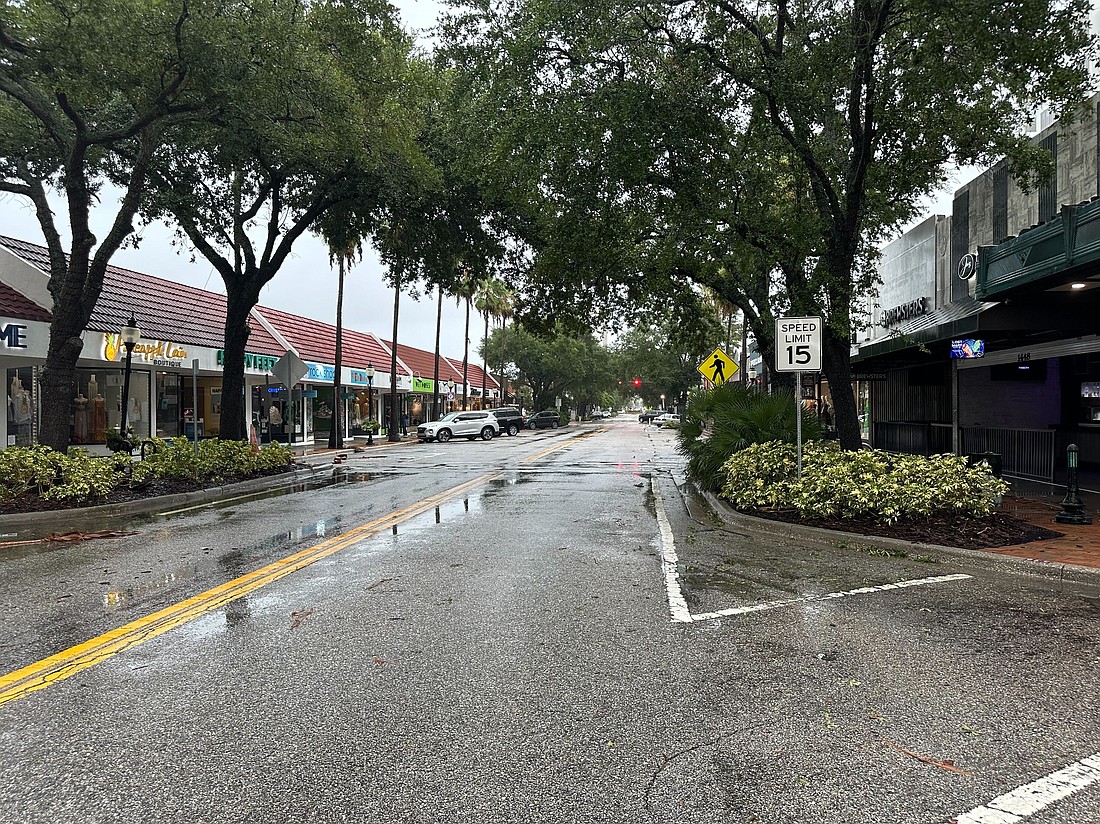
717 368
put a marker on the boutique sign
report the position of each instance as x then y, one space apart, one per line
156 352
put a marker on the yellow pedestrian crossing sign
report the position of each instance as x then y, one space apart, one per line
718 367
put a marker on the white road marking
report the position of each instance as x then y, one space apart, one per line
1023 802
676 603
805 599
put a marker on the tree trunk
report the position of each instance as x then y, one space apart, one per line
336 435
503 380
237 308
395 421
485 361
435 379
466 357
58 385
836 353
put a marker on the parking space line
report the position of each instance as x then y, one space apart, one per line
1024 801
676 603
806 599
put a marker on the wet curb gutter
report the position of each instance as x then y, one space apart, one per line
143 506
764 527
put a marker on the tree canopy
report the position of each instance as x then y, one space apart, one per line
762 149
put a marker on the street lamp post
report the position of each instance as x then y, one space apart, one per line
662 403
450 390
370 404
129 335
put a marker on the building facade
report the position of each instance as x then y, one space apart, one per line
982 337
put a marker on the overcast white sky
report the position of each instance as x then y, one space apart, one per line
306 285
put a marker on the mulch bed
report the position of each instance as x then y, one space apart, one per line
944 530
30 502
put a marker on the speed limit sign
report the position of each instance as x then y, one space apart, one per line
798 344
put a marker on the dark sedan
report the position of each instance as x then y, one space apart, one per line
544 420
649 414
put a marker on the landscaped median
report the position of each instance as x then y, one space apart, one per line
740 445
37 478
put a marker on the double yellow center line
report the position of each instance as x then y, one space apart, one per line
68 663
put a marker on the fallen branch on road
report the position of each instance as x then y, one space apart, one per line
924 759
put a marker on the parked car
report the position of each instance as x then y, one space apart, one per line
467 425
666 419
544 420
511 420
599 414
648 415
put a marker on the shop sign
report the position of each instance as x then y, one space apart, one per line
423 384
359 376
905 311
156 352
262 363
321 372
868 376
14 335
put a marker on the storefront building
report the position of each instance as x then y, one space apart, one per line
176 366
983 337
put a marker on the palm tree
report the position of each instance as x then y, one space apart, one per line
464 291
438 330
506 308
487 300
344 249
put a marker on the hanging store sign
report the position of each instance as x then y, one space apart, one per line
156 352
423 384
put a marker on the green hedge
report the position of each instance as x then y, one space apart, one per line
83 478
866 482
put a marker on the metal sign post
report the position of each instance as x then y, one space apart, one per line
798 349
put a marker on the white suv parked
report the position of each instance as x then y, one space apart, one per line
467 425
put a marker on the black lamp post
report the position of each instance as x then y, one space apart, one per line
129 335
450 392
370 404
1073 508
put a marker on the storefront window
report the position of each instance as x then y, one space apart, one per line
97 405
168 405
22 405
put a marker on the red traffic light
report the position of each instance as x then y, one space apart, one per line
637 382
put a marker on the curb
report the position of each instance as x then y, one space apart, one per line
1015 564
145 506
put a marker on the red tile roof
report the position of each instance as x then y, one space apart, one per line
316 341
473 374
15 305
163 309
422 363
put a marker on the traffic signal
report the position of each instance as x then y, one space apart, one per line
637 382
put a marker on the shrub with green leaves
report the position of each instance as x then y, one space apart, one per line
866 482
721 421
83 478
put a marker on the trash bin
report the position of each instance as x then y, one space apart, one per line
994 459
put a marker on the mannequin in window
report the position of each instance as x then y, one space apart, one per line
134 414
99 417
80 419
20 402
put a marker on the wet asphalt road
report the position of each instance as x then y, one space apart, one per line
509 655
